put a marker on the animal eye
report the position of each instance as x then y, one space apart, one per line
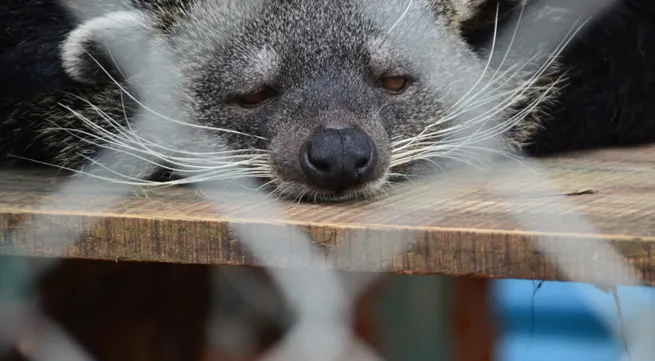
256 98
394 84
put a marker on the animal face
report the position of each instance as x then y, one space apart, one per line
325 99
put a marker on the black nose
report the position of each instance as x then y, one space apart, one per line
336 159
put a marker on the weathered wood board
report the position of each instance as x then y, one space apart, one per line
458 226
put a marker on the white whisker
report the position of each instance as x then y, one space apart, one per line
427 146
402 16
205 127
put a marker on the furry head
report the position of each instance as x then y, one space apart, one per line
322 99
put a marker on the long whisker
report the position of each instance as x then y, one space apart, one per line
439 144
106 137
568 37
522 90
488 64
511 42
402 16
161 115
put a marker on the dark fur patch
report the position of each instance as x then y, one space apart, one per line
608 99
30 33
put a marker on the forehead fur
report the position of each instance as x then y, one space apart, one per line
245 44
318 34
323 59
301 28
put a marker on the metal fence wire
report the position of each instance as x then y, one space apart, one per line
320 299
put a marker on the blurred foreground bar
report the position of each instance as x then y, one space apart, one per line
458 227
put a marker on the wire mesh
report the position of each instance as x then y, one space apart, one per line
322 300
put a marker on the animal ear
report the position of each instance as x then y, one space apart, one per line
473 14
99 46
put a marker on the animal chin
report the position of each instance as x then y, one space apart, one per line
301 191
333 197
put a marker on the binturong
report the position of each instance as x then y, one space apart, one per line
320 100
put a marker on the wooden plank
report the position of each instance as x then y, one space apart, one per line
456 225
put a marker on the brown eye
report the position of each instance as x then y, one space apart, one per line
394 84
256 98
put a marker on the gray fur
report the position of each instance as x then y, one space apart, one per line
323 58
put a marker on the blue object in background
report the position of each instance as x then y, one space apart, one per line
559 322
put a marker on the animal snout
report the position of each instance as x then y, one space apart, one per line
338 159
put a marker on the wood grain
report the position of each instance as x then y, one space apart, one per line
457 224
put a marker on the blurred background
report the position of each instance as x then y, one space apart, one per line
557 323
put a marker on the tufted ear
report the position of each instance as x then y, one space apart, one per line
473 14
105 42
